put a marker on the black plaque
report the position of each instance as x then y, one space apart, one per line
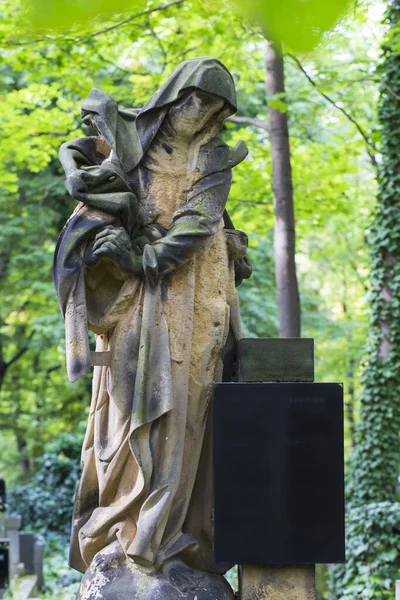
279 473
4 564
2 496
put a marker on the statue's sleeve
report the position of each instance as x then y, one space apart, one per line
194 224
103 186
87 151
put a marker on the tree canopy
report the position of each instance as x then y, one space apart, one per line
331 102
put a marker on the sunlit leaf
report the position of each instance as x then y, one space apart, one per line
299 24
63 14
277 104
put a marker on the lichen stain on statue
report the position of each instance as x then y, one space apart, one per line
149 261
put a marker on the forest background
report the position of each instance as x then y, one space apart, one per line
332 100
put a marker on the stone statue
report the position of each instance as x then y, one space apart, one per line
148 261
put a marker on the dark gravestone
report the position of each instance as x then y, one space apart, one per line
4 564
279 473
26 551
2 496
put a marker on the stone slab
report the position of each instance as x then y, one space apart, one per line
276 359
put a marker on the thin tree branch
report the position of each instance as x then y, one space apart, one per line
389 89
53 134
188 50
234 205
160 45
95 33
51 370
20 352
126 71
132 18
366 139
249 121
23 306
44 198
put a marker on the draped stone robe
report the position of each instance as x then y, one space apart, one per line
146 484
145 448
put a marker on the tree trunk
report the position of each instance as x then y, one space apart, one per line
284 229
24 460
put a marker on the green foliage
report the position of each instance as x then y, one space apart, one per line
258 295
62 14
45 503
61 581
373 508
36 401
373 553
299 25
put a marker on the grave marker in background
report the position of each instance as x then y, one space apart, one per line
27 544
4 566
13 525
2 496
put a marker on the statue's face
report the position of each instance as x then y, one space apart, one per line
191 113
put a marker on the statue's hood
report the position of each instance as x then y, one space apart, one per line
130 132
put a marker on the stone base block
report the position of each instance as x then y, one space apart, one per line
176 581
277 582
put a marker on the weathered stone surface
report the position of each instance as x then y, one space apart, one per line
176 581
276 359
277 582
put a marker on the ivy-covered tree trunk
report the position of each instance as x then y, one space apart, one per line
284 227
373 528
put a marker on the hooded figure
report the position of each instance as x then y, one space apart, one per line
146 264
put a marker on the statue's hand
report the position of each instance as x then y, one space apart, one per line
114 242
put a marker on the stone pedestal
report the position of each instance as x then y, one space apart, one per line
176 581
